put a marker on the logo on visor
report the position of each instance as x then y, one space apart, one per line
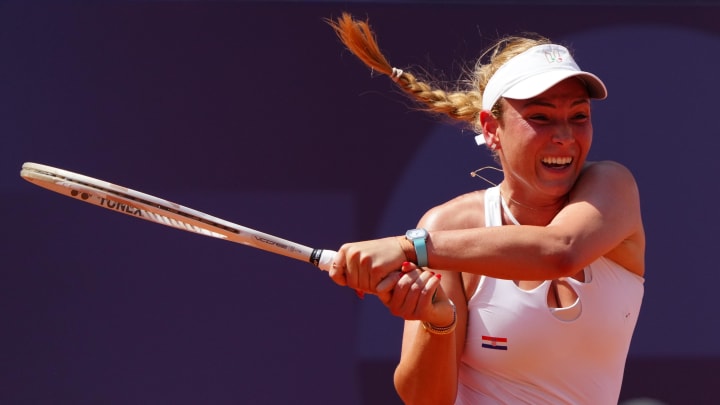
553 56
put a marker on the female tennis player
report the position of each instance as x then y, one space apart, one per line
528 291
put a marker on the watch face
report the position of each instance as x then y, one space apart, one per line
416 234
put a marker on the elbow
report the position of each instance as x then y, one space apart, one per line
563 259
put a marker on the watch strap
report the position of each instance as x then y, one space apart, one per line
421 252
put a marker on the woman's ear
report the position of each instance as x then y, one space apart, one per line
489 125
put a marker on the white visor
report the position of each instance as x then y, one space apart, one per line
535 71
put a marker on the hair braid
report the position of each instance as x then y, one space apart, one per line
360 40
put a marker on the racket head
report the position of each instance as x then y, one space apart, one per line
145 206
124 200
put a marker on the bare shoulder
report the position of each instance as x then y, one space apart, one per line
462 212
606 179
609 171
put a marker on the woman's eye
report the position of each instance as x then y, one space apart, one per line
581 116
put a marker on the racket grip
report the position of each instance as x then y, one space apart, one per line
323 258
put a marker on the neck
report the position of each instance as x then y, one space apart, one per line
533 214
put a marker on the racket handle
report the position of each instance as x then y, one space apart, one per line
322 258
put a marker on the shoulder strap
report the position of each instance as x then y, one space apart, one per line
493 210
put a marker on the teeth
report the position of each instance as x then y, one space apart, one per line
557 160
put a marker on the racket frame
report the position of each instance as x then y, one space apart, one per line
154 209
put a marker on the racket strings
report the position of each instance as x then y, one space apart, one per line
157 217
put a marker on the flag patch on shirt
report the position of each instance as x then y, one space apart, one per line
492 342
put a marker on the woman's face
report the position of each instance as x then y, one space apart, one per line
544 141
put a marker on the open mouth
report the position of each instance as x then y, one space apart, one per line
557 162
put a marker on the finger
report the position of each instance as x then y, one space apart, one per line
408 292
432 292
419 296
389 282
400 291
408 267
353 276
354 270
364 279
436 302
337 273
337 269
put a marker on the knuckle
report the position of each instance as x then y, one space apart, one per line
405 282
416 288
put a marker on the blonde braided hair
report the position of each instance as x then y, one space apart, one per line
460 105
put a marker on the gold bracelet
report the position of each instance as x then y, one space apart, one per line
444 330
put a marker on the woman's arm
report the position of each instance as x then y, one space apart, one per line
428 368
602 217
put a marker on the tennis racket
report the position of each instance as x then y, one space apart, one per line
163 212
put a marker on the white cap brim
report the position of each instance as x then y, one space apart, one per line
533 72
535 85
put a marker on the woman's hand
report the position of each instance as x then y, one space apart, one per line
364 265
416 294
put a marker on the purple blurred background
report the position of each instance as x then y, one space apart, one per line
253 112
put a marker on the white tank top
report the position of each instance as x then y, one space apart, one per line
518 351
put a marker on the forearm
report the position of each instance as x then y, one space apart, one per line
427 372
516 252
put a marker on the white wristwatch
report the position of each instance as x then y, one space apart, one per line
418 238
